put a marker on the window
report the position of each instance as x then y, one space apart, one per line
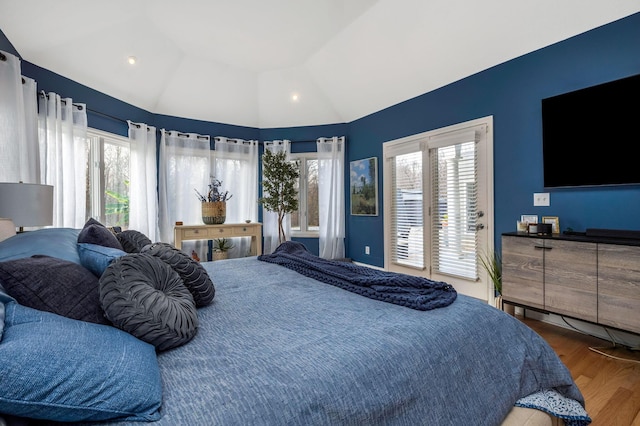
107 190
407 211
454 194
306 221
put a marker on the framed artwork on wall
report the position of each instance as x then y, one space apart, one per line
363 187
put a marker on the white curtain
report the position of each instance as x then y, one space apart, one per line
30 91
143 193
184 167
62 127
331 196
236 165
18 123
270 219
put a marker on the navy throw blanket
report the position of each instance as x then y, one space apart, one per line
401 289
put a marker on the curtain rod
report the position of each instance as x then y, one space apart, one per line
186 135
95 112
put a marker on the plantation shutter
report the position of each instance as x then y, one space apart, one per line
454 165
407 209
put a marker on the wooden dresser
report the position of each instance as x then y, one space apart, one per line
594 279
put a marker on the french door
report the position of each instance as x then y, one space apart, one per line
438 197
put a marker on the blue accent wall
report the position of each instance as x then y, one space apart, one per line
511 92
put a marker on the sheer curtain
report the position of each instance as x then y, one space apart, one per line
62 127
18 123
143 194
331 196
236 165
270 219
183 168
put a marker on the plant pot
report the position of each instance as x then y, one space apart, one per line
508 308
220 255
214 213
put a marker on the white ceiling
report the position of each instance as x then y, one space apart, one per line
240 61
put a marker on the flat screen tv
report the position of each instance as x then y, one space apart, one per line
591 137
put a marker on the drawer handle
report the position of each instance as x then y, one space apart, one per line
220 230
542 248
196 231
244 229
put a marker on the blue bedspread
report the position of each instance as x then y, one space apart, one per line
278 348
405 290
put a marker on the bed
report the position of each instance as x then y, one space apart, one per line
276 347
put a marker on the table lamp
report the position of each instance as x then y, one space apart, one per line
26 204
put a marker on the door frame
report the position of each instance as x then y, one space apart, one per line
483 288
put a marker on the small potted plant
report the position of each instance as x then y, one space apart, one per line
492 263
214 204
221 247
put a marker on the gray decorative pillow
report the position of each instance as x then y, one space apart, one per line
94 232
132 241
143 296
193 274
54 285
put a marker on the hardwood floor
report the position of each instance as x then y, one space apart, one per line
611 387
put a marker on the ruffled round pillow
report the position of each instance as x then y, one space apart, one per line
145 297
132 241
193 275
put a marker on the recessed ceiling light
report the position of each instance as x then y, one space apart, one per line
295 97
132 60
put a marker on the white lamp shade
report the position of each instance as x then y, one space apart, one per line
7 228
27 204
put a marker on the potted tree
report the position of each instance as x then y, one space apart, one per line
221 247
279 187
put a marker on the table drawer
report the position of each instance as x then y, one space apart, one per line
243 230
220 232
194 233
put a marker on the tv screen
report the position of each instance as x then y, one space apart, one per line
591 137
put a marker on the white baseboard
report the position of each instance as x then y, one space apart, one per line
369 266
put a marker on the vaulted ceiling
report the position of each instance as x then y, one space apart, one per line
243 61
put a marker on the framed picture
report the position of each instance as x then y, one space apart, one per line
554 221
529 218
363 187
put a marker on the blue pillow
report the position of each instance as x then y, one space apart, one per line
54 242
60 369
96 258
4 298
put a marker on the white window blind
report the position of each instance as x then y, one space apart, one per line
407 215
454 164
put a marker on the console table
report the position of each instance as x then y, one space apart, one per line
227 230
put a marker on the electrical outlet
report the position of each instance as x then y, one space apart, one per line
541 199
366 250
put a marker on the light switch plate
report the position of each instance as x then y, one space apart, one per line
541 199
